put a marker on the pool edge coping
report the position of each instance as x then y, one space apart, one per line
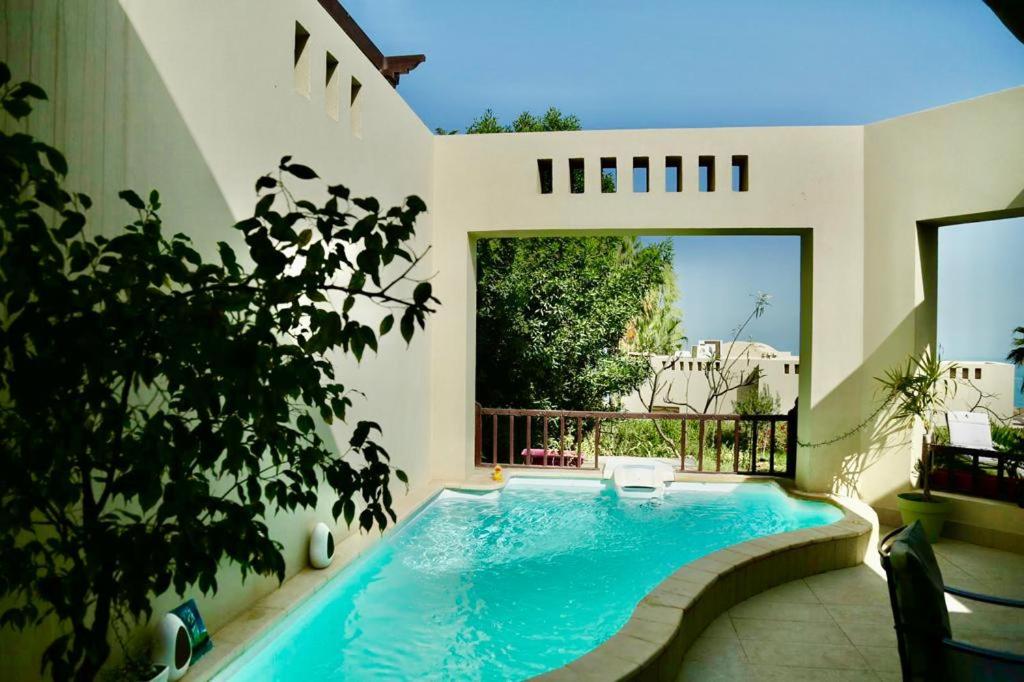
652 643
245 631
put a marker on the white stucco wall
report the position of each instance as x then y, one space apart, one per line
683 386
806 181
197 99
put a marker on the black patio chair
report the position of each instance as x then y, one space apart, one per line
917 594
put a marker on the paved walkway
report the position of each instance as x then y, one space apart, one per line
838 625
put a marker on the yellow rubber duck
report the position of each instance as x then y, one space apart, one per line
496 474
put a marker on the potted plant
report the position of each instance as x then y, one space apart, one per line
918 391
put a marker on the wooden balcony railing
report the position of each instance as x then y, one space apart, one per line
980 473
569 439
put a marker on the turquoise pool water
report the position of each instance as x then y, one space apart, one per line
508 585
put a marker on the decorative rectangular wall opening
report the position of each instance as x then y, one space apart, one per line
740 173
673 174
355 112
786 368
332 96
609 175
544 175
301 62
977 372
963 374
952 372
577 181
641 174
706 168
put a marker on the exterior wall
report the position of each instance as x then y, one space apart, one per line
987 385
979 385
197 99
803 181
956 163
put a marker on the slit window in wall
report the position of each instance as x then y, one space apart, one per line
796 369
963 373
673 174
952 372
355 111
740 174
977 372
577 181
641 174
333 89
301 63
706 168
786 368
544 175
609 175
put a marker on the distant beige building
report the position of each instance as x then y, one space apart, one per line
689 380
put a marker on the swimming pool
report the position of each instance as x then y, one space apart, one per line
511 584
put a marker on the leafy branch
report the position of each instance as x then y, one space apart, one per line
157 407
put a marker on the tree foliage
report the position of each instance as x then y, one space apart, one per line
658 329
1016 354
550 120
761 401
157 407
551 313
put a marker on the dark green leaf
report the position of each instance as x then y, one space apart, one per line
265 182
132 199
27 89
300 171
57 161
421 294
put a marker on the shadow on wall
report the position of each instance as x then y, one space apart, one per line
118 127
873 464
1018 201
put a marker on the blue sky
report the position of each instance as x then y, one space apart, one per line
719 277
697 63
981 288
679 63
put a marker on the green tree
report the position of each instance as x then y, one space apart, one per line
761 401
658 329
558 288
550 121
157 408
551 314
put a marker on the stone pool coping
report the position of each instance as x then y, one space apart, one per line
652 643
655 632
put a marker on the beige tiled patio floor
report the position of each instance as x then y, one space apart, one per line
838 625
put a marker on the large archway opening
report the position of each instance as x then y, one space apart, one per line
712 390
